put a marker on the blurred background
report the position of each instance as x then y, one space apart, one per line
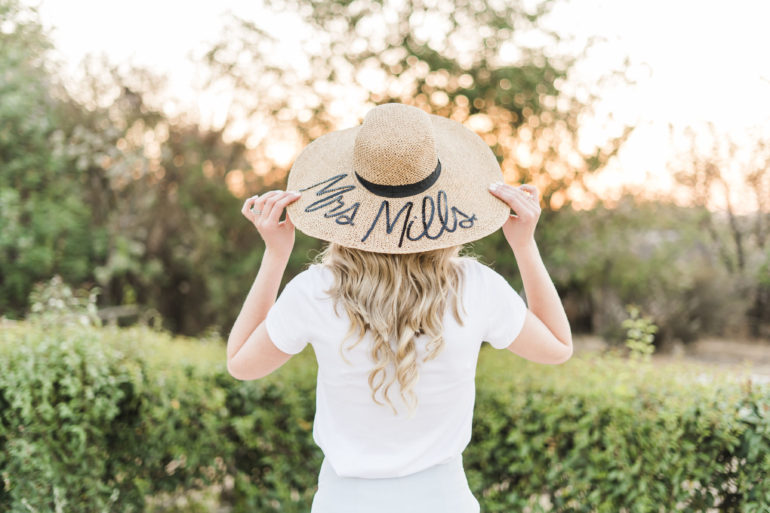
130 134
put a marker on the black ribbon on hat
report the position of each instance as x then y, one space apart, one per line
401 191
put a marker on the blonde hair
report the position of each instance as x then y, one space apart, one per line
396 298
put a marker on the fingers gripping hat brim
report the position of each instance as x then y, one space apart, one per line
455 208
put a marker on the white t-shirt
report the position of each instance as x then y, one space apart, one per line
361 438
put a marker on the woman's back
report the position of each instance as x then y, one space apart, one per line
365 439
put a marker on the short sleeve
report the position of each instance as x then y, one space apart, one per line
504 309
287 319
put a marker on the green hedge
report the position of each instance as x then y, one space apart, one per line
100 419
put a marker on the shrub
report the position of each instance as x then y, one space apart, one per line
99 419
640 334
92 420
600 434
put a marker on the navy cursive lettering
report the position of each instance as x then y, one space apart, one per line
429 212
385 207
436 217
333 197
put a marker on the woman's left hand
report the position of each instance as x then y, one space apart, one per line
265 213
524 200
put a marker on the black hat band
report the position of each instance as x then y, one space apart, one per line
402 191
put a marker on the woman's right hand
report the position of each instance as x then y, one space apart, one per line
265 213
524 200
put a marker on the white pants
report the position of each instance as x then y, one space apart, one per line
439 489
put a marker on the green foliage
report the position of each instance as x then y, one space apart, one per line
100 419
106 189
734 170
167 230
639 335
44 222
651 254
60 394
604 434
55 303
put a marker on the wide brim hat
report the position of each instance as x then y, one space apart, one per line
404 181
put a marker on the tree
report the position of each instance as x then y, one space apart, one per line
44 228
470 60
728 181
167 230
99 186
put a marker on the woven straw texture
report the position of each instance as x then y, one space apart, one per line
397 145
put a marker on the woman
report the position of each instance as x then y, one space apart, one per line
395 317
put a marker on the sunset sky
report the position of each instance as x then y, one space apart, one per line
694 61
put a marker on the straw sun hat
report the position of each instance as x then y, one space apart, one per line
404 181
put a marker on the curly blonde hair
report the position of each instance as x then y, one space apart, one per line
396 298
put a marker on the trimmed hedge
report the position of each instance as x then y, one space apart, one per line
99 419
